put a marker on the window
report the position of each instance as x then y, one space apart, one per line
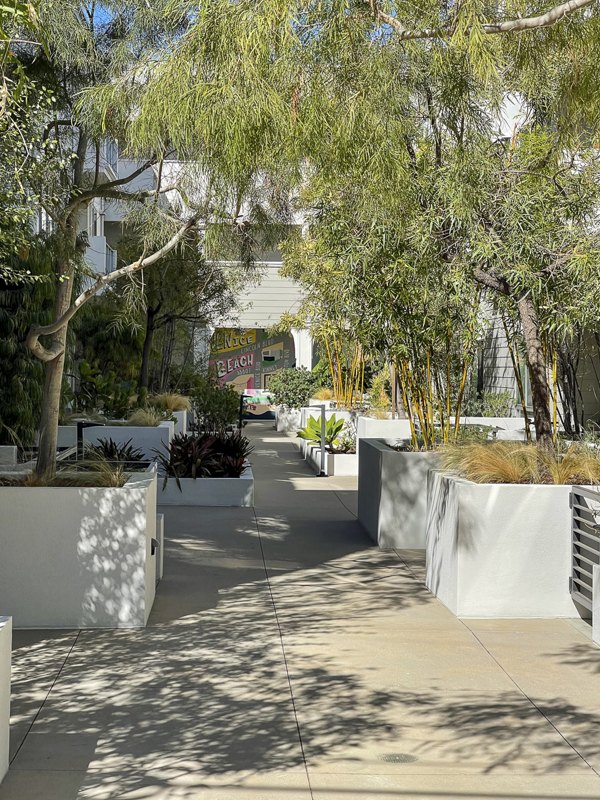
111 259
111 154
95 223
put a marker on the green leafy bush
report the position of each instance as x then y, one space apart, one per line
292 388
216 407
490 404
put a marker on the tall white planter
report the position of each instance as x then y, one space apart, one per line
499 550
5 650
371 428
146 439
181 421
74 557
392 494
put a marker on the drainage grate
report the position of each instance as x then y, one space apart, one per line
399 758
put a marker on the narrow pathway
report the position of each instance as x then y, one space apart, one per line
288 659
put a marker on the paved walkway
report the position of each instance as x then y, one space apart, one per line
288 659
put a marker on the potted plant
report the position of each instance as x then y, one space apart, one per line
498 528
340 445
148 429
91 563
207 469
177 405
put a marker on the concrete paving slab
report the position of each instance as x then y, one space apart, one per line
454 787
42 785
284 644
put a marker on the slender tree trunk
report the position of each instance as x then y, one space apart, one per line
147 350
538 374
53 378
165 367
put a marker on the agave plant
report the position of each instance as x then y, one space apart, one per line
312 432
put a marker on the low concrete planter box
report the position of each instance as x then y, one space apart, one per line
287 420
392 494
73 557
499 550
208 491
146 439
5 651
335 463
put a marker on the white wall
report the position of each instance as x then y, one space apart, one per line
264 303
5 651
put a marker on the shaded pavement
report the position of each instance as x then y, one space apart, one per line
286 657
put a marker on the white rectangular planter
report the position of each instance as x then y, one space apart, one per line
67 436
287 420
5 651
307 412
181 421
370 428
75 557
335 463
499 550
8 456
392 494
146 439
208 491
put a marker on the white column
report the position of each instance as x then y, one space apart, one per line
303 345
5 650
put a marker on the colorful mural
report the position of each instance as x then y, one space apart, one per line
246 358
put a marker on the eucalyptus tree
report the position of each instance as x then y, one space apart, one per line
87 45
401 98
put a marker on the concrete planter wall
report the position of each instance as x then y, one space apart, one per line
509 428
392 494
8 456
499 550
287 420
335 463
147 439
181 421
307 412
371 428
208 491
76 557
5 650
67 436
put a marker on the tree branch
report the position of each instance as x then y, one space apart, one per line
491 281
50 353
546 20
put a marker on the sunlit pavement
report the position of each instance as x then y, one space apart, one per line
286 657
